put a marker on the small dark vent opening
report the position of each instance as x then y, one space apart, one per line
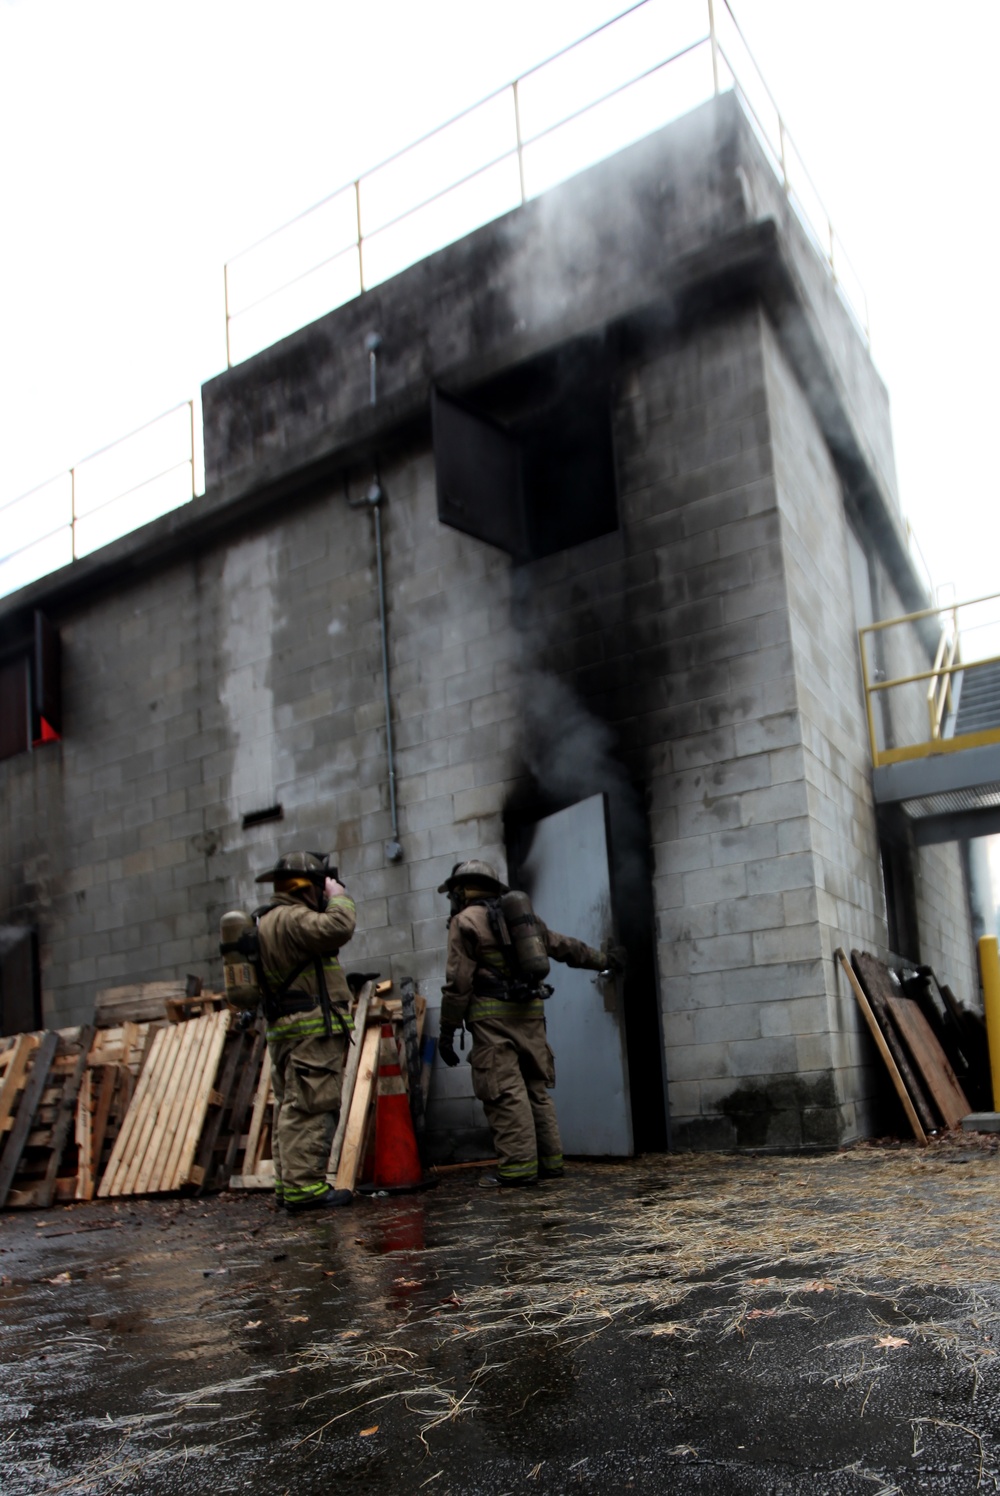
258 817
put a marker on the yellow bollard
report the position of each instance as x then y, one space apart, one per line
989 966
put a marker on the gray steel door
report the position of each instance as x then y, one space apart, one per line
568 876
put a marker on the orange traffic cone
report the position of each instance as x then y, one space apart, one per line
397 1162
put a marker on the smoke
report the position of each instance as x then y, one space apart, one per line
571 755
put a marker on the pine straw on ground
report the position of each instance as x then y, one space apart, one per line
768 1236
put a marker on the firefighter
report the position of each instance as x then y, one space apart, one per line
307 1005
513 1069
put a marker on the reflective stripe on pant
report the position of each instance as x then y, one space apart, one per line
306 1071
512 1073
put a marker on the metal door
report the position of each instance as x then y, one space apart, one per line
567 874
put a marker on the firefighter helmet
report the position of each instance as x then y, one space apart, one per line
482 874
298 865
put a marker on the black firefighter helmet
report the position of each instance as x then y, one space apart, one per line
316 867
479 874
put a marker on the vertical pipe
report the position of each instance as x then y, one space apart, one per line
72 513
520 147
715 46
390 751
225 281
357 215
191 409
869 706
989 966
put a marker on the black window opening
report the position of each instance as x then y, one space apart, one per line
30 686
20 981
528 464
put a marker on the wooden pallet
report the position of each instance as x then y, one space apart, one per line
44 1126
257 1171
230 1108
113 1067
156 1147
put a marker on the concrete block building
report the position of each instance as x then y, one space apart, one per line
625 472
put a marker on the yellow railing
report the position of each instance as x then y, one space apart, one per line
940 678
655 60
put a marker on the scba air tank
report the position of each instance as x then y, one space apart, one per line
526 935
236 937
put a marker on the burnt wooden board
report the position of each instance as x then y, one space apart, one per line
883 1048
930 1059
878 985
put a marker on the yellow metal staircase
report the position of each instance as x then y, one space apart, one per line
935 731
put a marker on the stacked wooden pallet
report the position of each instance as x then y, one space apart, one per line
908 1033
155 1106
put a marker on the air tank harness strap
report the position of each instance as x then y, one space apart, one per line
329 1011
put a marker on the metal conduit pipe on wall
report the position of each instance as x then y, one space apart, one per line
372 499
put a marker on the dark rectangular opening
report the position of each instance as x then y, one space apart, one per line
259 817
14 724
527 462
20 981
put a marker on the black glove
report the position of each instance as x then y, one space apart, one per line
615 959
446 1046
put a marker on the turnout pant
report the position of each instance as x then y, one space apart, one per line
513 1070
306 1074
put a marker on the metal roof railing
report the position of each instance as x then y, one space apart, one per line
651 63
509 147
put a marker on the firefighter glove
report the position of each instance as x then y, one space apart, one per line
615 959
446 1046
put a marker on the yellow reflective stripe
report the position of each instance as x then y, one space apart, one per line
295 1193
496 1007
526 1170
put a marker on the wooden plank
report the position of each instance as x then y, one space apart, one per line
364 1090
128 1133
20 1052
251 1154
44 1193
146 1150
883 1048
84 1137
138 1001
220 1027
204 1031
171 1114
44 1054
874 977
220 1100
241 1105
930 1059
350 1078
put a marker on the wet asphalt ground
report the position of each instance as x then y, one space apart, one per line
675 1324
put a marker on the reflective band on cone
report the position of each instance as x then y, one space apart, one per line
397 1162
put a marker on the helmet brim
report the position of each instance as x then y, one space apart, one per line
493 884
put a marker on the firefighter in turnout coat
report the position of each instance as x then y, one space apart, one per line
310 917
513 1068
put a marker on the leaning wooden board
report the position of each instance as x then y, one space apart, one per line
155 1148
930 1059
878 984
882 1046
361 1101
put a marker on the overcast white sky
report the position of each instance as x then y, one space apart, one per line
143 143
